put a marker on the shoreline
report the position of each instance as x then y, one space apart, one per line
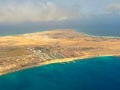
92 35
65 60
109 37
66 43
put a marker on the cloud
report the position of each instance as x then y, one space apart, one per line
35 12
114 8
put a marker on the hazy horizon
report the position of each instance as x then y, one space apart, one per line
24 16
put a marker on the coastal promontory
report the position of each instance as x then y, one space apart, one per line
28 50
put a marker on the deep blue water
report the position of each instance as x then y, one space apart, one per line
102 73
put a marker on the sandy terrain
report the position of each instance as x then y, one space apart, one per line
29 50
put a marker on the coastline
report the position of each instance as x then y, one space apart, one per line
20 51
42 31
109 37
45 63
65 60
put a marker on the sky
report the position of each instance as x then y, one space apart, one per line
21 14
56 10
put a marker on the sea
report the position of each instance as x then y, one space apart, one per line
99 73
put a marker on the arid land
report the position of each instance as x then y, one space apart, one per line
29 50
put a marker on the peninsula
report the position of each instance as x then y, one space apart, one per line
28 50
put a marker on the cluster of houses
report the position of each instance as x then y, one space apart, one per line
46 54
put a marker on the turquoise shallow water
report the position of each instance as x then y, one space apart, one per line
102 73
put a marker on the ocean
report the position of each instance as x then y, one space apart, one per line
97 29
100 73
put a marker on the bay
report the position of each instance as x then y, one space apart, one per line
101 73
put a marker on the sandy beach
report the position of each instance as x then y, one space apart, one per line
35 49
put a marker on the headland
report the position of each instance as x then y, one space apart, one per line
29 50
